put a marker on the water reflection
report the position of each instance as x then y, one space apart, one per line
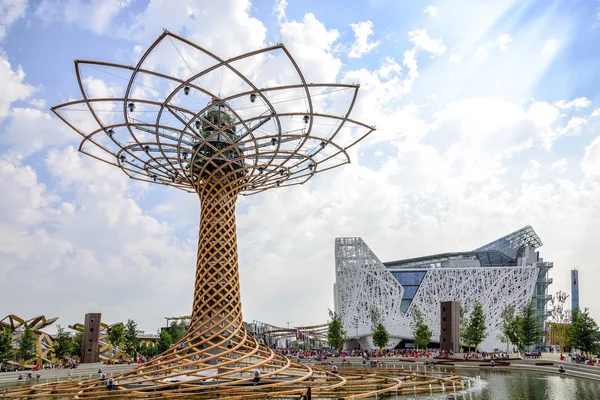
505 385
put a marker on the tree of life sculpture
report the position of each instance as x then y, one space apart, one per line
175 126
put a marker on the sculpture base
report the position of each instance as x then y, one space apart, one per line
186 371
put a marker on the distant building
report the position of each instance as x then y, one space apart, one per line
556 334
574 289
507 271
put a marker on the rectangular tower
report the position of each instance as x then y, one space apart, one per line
91 335
450 326
574 289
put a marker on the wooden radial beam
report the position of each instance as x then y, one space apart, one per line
185 133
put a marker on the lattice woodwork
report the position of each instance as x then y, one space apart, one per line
43 341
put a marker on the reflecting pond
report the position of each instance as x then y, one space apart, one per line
523 385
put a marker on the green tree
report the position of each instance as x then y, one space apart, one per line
476 329
131 342
164 341
336 335
144 349
27 348
515 331
464 324
62 344
422 336
7 352
511 327
561 318
76 345
584 332
116 336
381 337
177 330
530 326
417 318
421 332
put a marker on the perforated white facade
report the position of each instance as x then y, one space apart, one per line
364 284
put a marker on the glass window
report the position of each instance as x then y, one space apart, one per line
410 291
409 278
404 305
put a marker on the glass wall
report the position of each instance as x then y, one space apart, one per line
410 281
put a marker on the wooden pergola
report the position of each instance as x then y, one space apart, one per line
175 127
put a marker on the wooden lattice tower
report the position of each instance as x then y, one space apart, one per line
175 127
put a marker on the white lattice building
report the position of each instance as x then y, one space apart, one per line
505 271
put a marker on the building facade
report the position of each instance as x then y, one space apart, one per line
507 271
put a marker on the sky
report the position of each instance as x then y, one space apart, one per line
487 120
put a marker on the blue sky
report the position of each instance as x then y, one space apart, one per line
487 118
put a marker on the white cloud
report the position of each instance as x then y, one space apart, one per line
443 163
550 47
96 15
455 59
201 22
279 10
595 113
560 166
29 130
362 45
10 11
38 103
432 11
503 41
590 164
388 68
12 86
532 173
573 127
578 103
312 45
422 41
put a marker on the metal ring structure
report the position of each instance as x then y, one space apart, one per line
177 129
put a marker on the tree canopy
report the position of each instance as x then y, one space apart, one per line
476 328
6 345
561 318
584 331
463 325
164 341
27 346
530 325
381 337
336 335
511 327
62 344
421 332
177 330
422 336
116 336
130 341
76 345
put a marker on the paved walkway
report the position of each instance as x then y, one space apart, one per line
48 375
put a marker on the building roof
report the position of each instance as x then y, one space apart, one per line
501 252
